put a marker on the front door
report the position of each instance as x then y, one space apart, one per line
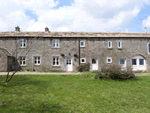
94 64
69 64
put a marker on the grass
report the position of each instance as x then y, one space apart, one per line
145 72
27 70
74 94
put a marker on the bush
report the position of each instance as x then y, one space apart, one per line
84 67
115 72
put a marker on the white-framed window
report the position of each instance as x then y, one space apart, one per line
109 60
56 61
37 60
82 43
119 44
56 43
23 43
148 48
109 44
22 60
83 60
122 61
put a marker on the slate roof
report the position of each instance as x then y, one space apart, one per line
72 34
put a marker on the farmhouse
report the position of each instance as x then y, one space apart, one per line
67 50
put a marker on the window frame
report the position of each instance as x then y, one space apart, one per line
148 50
22 61
23 43
110 44
107 60
84 60
83 43
55 61
37 60
56 43
120 44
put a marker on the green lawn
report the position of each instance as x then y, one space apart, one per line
74 94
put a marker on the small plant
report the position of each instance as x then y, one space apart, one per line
26 70
56 71
115 72
84 67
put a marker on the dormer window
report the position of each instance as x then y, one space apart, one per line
23 43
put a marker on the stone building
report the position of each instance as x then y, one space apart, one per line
66 50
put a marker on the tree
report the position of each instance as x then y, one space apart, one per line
16 58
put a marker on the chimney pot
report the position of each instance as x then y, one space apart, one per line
17 28
46 29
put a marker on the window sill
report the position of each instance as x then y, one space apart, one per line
82 46
37 64
109 48
23 65
22 47
119 48
55 47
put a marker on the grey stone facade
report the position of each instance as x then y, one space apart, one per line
96 46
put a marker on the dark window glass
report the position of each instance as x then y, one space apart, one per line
119 44
82 43
93 61
149 47
83 60
122 61
133 61
109 60
141 61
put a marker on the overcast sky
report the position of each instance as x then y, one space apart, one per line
75 15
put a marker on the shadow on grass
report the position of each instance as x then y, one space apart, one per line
24 82
27 107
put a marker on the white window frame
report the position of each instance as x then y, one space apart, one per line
22 42
22 61
82 59
83 43
56 61
148 48
56 42
107 60
120 44
37 60
110 44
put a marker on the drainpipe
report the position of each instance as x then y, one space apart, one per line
79 51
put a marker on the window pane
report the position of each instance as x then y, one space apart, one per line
38 62
109 60
122 61
20 62
119 44
93 61
133 61
24 44
82 43
23 62
20 44
141 61
83 60
35 62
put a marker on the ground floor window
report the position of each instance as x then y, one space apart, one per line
122 61
56 61
22 60
83 60
133 61
141 61
37 60
109 60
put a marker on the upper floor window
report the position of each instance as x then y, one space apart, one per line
22 60
37 60
148 47
82 44
23 43
56 43
109 44
119 44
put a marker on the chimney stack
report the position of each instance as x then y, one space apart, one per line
145 29
46 30
17 29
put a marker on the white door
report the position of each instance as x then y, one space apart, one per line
138 63
94 64
69 64
123 64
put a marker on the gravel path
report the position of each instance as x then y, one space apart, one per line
63 73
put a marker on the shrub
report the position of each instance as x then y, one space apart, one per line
26 70
84 67
115 72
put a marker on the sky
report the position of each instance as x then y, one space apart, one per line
75 15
